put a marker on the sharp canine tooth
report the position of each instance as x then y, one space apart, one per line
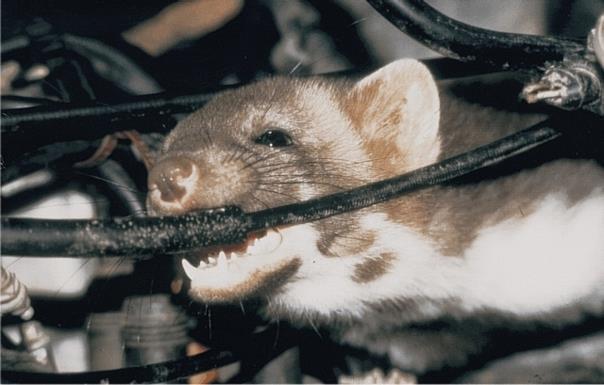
267 244
189 269
222 262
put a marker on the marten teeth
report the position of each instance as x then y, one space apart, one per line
223 262
189 269
222 259
267 244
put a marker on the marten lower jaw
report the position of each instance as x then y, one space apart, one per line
235 272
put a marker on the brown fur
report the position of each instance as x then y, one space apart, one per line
259 284
387 159
453 216
356 103
440 212
471 208
373 268
341 236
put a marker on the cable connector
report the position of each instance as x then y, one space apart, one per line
569 87
576 82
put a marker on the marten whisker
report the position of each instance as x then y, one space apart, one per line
73 274
262 159
254 197
309 183
122 186
294 198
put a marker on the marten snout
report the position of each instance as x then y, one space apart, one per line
172 183
180 183
172 177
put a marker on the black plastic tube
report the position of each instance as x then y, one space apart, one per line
30 100
259 348
141 236
153 373
123 236
123 186
117 116
161 104
454 39
55 156
27 129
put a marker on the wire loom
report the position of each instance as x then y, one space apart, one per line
139 236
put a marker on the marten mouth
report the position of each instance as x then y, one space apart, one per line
221 267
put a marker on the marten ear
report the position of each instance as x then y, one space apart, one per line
396 110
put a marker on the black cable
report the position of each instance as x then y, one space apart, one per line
123 236
28 132
152 373
56 156
161 104
29 121
141 236
122 184
467 43
45 126
259 347
31 100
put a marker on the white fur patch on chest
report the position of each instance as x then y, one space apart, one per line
549 259
529 267
325 285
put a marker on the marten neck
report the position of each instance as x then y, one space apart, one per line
477 111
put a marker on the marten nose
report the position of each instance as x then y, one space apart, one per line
172 180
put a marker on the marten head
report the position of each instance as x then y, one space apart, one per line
285 140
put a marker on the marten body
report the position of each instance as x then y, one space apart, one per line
527 246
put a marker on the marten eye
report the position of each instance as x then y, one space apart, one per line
274 138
